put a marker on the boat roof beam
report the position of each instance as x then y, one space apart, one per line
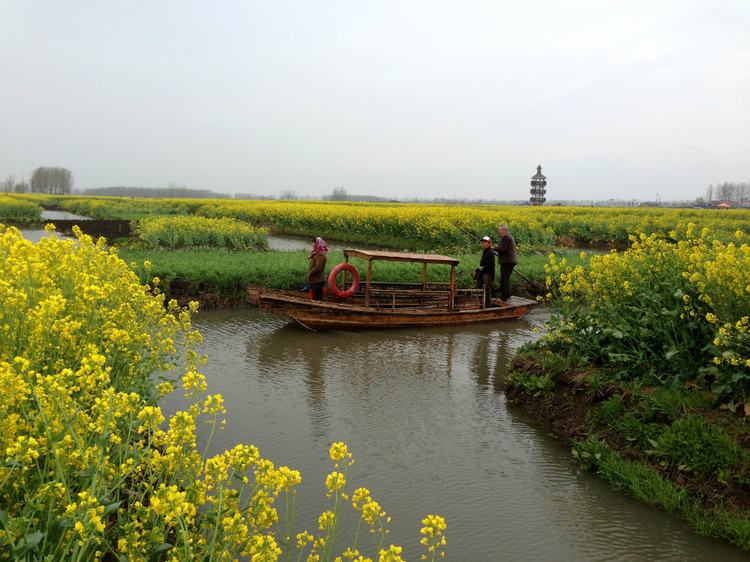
371 255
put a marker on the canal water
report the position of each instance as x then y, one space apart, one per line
35 235
426 418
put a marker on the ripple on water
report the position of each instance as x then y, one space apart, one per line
425 416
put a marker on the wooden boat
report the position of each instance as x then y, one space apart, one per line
391 305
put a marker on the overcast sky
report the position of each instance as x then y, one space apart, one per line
614 99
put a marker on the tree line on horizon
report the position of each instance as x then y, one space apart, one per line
48 180
59 181
728 192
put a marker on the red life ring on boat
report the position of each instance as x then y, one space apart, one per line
355 280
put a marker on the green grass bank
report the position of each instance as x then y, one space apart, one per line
218 277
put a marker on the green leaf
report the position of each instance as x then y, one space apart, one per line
28 543
111 508
160 549
717 388
58 526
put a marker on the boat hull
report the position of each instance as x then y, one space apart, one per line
326 315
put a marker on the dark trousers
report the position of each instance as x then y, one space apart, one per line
505 271
317 290
485 282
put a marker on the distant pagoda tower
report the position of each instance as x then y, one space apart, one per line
538 183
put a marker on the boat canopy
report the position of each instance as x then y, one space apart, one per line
371 255
448 289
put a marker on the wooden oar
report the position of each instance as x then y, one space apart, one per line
466 232
539 286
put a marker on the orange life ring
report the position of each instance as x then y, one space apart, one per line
355 280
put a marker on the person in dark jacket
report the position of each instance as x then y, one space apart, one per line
506 256
485 273
316 271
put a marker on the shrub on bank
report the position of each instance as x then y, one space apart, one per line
91 469
188 232
18 210
127 208
665 311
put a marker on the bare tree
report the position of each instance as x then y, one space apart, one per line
8 183
724 191
339 194
55 181
743 192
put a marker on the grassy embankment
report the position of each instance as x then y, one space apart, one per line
220 276
645 370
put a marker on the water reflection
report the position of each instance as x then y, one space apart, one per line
279 351
35 236
62 215
425 415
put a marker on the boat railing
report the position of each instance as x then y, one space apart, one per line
470 297
404 295
411 295
397 285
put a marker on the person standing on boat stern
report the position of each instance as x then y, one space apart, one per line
506 257
316 271
486 270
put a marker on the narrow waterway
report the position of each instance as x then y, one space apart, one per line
34 235
426 418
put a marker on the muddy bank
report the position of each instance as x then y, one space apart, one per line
207 295
109 229
569 402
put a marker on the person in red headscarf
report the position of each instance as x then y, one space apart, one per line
316 271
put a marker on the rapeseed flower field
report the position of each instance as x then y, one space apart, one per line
434 227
